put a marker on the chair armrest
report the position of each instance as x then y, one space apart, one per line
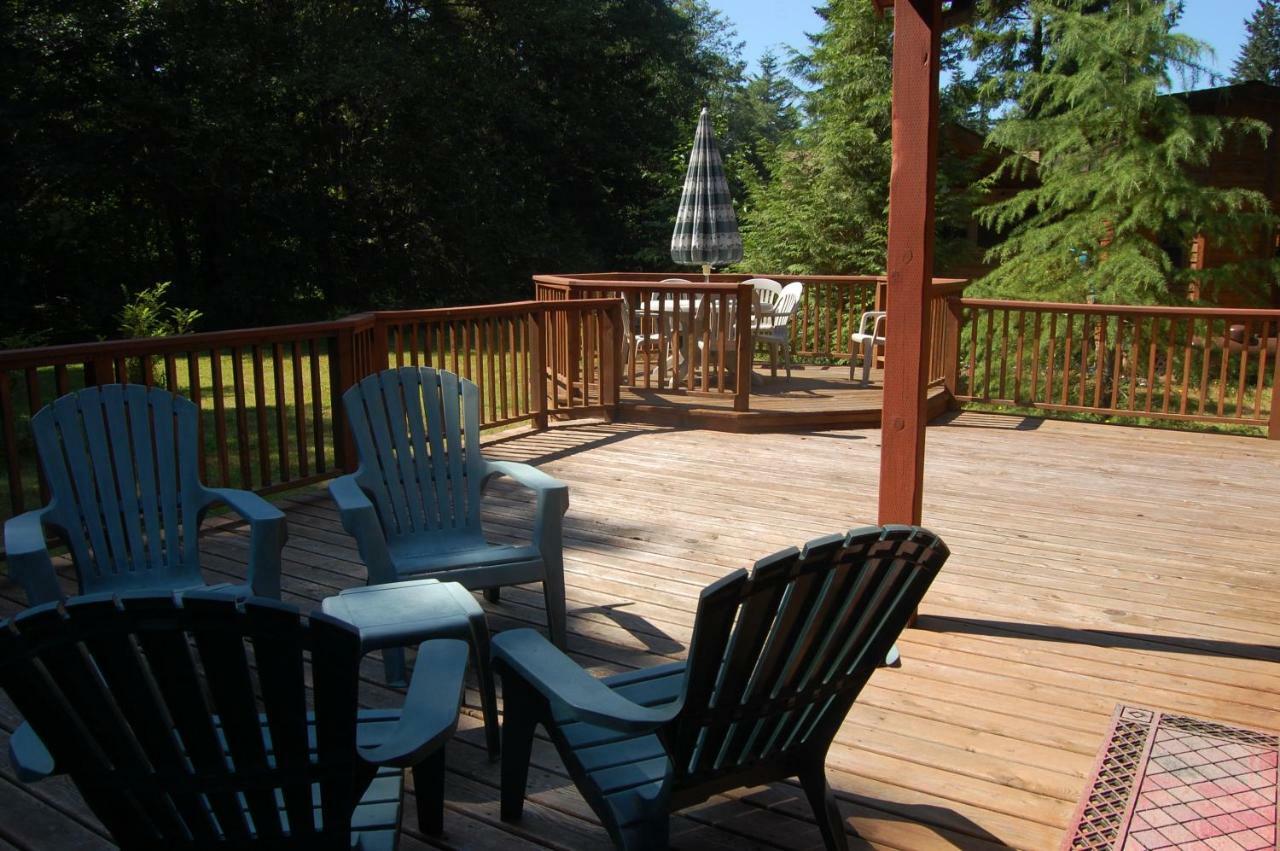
267 535
560 680
430 712
360 519
28 556
552 497
29 757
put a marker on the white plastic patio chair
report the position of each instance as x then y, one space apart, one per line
774 330
764 298
867 340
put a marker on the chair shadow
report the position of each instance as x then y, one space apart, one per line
1190 645
654 638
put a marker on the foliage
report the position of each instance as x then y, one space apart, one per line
1108 160
300 159
1259 57
819 204
147 313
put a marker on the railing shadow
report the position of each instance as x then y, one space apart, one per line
1100 638
998 422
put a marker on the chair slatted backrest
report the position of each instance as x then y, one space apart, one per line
121 464
779 655
417 432
186 722
786 306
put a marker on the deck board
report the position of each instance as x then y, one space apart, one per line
1091 565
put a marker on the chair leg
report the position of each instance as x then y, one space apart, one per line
553 592
428 788
786 358
484 673
493 595
393 667
825 809
773 360
868 352
652 834
520 717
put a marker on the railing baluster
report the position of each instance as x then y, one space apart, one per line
242 420
1263 342
1223 365
318 418
1017 366
1188 327
1004 353
1117 368
194 391
1051 357
260 411
13 461
282 413
1067 340
1245 339
1168 366
299 408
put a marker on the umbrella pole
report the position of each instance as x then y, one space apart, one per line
706 273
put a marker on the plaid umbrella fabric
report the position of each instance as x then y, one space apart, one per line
706 231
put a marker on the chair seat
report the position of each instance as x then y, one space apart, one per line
431 552
628 771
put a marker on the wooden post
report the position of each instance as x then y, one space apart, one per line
951 325
610 355
537 367
916 60
746 347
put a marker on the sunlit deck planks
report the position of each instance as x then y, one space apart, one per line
1091 565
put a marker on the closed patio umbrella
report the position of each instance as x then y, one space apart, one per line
706 231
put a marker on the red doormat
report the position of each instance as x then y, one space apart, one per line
1167 781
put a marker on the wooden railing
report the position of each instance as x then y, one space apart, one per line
829 313
1214 365
271 415
683 338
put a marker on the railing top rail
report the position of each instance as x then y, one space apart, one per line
161 346
137 347
1121 309
718 282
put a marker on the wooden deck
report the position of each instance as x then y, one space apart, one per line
1091 565
814 397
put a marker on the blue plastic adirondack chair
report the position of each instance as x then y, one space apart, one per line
777 658
413 505
184 721
127 500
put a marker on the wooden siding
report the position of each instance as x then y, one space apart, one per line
1091 565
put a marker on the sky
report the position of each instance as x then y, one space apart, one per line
778 24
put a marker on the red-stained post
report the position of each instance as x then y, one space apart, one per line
916 56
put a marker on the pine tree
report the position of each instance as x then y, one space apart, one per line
822 207
1259 57
1108 158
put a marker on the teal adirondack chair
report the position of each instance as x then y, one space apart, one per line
413 505
186 723
777 658
121 464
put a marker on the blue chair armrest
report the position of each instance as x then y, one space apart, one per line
361 522
430 713
552 495
28 556
29 757
267 536
560 680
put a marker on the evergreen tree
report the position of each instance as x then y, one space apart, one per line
1259 57
821 208
819 204
1108 161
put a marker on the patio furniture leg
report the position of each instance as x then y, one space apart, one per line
814 780
868 352
519 720
428 787
484 673
493 595
773 360
393 667
786 358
